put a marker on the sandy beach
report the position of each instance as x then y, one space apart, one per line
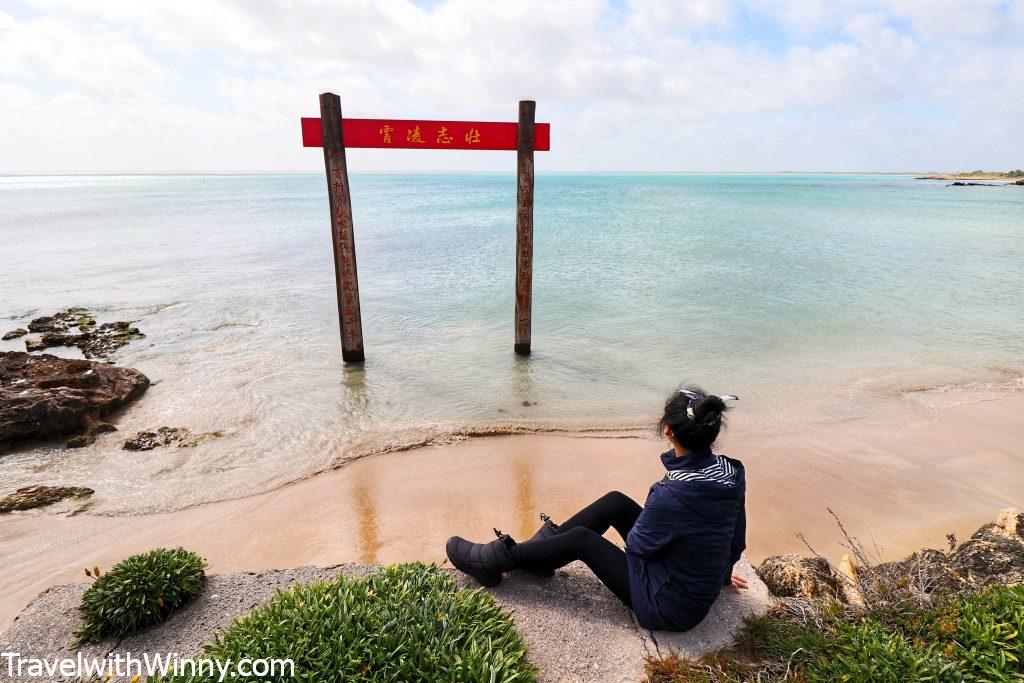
898 485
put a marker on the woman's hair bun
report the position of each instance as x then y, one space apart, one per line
694 417
709 409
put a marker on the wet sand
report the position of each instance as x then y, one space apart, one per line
900 484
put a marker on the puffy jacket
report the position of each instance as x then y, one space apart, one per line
684 544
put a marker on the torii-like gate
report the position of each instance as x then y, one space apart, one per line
334 134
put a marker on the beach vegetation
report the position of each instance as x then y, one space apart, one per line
970 637
139 591
406 622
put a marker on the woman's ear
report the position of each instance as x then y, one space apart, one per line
668 434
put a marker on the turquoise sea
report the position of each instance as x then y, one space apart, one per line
813 297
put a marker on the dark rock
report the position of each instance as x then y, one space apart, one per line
94 341
81 440
961 183
165 436
63 321
88 437
989 557
14 334
801 577
47 397
36 496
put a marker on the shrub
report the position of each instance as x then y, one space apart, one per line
138 591
972 637
404 623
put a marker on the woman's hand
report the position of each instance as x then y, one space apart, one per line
738 583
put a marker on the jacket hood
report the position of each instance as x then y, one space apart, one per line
702 473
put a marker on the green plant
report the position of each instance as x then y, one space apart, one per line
404 623
138 591
972 637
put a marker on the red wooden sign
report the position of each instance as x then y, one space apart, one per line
407 134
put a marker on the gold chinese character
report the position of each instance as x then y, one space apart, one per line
473 137
414 135
443 138
386 132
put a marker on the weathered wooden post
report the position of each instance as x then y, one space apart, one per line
524 226
342 236
334 134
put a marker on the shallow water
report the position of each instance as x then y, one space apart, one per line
814 297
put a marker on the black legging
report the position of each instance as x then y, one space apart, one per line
580 538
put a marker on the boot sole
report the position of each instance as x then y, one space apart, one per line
485 580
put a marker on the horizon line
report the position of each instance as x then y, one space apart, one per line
478 172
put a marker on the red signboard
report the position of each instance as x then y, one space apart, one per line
407 134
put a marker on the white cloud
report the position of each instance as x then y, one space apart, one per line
220 84
82 54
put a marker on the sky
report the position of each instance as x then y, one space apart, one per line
628 85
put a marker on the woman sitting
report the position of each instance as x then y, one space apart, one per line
680 547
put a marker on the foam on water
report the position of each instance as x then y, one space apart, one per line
815 298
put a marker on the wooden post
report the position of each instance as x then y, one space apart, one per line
342 237
524 226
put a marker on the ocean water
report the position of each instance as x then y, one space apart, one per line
813 297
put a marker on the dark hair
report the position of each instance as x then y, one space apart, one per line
699 432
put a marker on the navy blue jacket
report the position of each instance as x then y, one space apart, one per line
684 544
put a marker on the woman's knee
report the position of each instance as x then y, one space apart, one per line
618 499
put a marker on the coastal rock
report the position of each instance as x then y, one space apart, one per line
993 555
88 437
960 183
165 436
63 321
94 341
47 397
792 576
990 556
37 496
924 571
14 334
1010 523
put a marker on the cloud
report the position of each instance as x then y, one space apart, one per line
644 85
81 54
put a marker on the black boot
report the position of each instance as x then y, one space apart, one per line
547 530
483 561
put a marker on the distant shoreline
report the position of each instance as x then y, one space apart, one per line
1009 178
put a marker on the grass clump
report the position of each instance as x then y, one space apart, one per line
404 623
970 637
139 591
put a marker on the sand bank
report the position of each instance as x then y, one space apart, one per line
898 484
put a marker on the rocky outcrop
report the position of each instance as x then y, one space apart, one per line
961 183
994 555
37 496
45 397
165 436
792 576
95 341
14 334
